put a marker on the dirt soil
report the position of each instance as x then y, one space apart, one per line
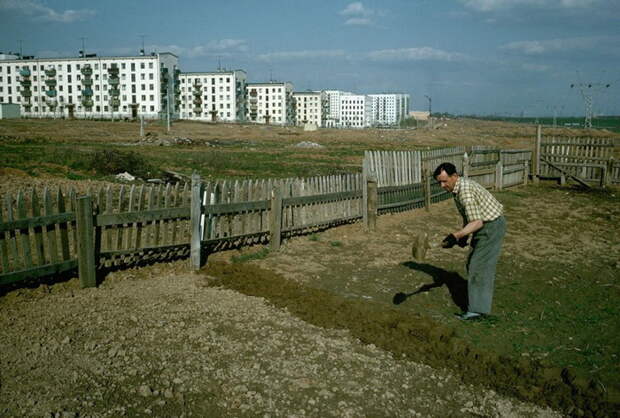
312 331
553 336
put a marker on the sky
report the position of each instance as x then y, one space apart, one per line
483 57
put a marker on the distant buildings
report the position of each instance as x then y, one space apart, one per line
153 86
91 86
388 109
213 96
270 103
310 108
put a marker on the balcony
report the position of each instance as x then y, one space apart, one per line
87 102
26 93
24 72
115 102
87 81
50 72
113 81
26 83
115 92
51 93
87 92
50 82
197 92
113 71
198 101
87 71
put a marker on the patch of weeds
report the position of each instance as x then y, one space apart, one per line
313 237
110 162
258 255
336 243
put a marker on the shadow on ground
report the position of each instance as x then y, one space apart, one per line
456 284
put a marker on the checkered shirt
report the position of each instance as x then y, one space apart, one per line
474 202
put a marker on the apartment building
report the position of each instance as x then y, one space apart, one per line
270 103
355 111
332 119
214 96
388 109
310 107
91 86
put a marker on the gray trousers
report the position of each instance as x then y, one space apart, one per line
486 246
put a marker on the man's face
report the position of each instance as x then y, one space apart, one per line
447 182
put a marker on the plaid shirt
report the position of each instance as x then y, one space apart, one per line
474 202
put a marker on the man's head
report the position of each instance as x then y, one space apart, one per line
446 175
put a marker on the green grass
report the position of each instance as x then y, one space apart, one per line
258 255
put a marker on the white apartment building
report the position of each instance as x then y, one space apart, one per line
332 119
310 107
214 96
388 109
355 111
91 86
270 103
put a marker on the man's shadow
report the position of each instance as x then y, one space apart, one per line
457 285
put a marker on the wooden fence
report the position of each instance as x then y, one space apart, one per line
116 227
584 159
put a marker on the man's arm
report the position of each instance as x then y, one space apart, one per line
468 229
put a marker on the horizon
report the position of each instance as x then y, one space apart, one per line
507 58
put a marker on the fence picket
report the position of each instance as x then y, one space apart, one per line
4 251
38 230
50 230
24 233
18 261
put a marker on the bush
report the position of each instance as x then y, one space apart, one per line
111 162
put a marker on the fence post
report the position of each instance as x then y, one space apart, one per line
195 214
499 174
427 190
608 172
465 165
275 219
365 174
536 156
86 242
371 204
526 171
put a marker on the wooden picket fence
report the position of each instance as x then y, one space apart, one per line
118 227
586 160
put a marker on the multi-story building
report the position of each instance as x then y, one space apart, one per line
270 103
332 119
91 86
388 109
214 96
310 107
354 111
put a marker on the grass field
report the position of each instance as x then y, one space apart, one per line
611 123
99 149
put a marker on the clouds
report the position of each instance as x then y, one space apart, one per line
38 11
357 14
220 47
586 46
415 54
495 5
301 55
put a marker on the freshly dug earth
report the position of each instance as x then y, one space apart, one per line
553 337
159 341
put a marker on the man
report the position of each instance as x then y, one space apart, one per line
482 219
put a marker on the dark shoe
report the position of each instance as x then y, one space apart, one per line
469 316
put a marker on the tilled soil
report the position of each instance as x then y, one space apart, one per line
160 342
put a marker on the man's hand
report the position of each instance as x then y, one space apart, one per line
449 241
462 242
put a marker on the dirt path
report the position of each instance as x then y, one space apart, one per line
159 342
